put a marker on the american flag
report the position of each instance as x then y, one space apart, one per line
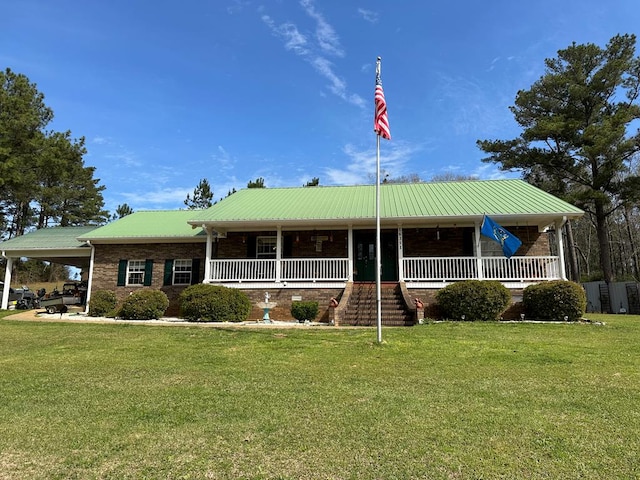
381 120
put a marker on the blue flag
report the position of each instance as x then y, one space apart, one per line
509 242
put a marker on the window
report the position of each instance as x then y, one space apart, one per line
182 272
490 248
135 272
266 247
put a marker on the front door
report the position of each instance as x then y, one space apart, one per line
365 256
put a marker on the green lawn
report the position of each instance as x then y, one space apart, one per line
436 401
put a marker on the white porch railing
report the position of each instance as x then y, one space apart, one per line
416 269
291 269
492 268
243 270
521 268
319 269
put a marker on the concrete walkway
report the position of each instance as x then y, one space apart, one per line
37 315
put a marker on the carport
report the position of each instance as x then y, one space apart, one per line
56 245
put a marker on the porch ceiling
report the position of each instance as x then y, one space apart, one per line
539 221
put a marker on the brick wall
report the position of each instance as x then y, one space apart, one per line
107 257
300 244
454 242
284 298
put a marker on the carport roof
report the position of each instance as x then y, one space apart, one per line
54 238
55 244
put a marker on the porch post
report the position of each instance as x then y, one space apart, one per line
7 282
278 253
207 260
560 244
87 299
478 252
350 253
400 255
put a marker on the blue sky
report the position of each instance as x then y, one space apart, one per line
168 92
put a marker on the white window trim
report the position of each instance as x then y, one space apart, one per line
271 241
140 269
186 262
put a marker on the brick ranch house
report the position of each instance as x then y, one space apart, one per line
318 243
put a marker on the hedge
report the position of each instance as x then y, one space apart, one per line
473 300
214 303
103 304
557 300
144 305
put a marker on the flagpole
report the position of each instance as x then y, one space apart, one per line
381 127
378 246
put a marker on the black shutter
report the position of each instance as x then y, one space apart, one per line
122 273
168 272
467 242
148 270
287 249
251 247
195 271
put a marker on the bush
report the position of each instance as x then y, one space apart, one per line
304 310
555 300
214 303
473 300
144 305
103 304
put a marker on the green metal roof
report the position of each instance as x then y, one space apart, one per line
150 225
54 238
514 201
447 200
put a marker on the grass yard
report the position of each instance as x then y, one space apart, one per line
436 401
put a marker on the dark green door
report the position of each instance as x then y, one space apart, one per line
365 256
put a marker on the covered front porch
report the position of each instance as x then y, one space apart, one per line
414 256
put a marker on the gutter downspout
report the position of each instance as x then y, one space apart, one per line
7 281
89 278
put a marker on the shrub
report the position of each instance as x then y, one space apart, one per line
144 305
214 303
304 310
555 300
473 300
102 304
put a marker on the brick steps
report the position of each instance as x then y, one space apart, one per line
361 309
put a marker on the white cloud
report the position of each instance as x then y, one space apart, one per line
126 158
326 42
325 34
369 15
157 199
336 84
237 6
361 167
224 160
100 141
473 110
294 40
